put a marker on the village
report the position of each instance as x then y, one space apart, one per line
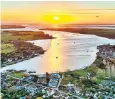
15 48
24 51
96 81
62 85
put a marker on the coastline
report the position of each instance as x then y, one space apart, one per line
78 78
16 48
76 35
83 85
99 58
108 33
20 54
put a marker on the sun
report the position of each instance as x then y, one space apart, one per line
56 18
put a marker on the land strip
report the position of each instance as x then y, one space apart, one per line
108 33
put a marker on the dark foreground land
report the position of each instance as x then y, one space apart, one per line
96 81
15 48
108 33
22 51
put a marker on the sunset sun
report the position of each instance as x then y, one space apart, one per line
56 18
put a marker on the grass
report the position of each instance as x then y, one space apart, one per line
5 37
101 75
13 75
73 76
7 48
83 72
67 79
17 74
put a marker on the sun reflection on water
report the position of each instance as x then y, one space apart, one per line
54 59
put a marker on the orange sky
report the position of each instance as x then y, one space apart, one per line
84 12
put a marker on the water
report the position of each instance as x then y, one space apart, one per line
68 51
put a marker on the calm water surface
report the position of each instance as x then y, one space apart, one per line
68 51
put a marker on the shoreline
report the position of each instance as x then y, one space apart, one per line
16 48
108 33
98 57
80 68
84 83
20 54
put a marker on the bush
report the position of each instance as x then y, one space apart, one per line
13 95
88 82
93 90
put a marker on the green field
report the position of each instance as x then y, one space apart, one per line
5 37
7 48
17 74
73 76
